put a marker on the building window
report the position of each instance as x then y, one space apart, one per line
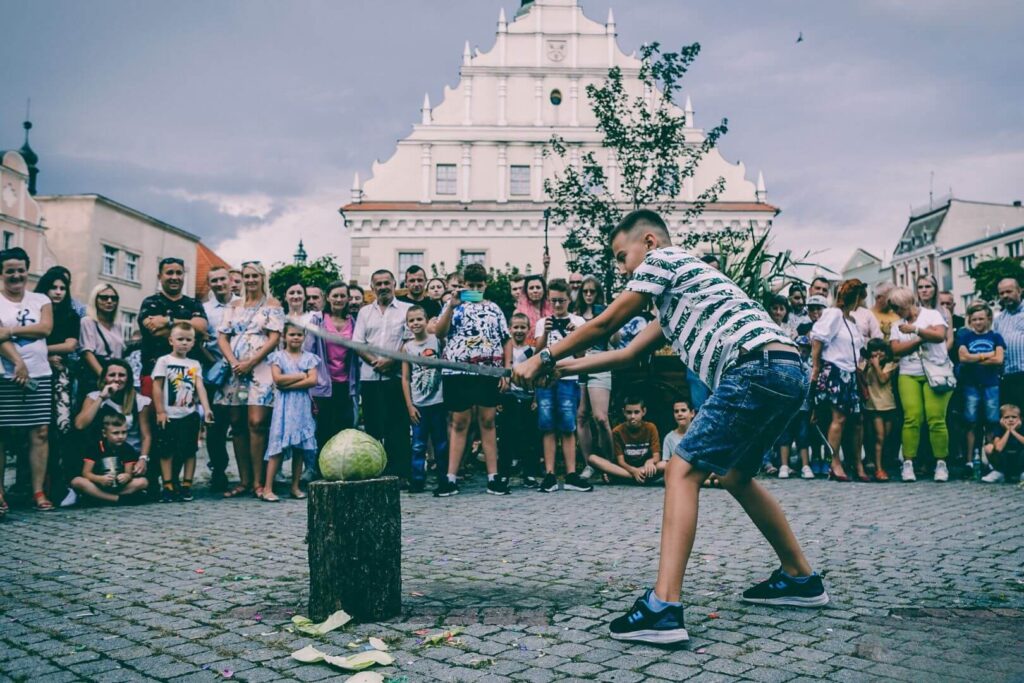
446 179
131 267
520 180
1013 249
556 97
109 261
129 324
967 264
468 256
968 299
407 259
8 239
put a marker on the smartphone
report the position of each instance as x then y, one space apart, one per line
471 296
560 324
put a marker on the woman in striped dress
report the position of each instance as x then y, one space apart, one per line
26 319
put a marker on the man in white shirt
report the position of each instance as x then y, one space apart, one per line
382 324
220 298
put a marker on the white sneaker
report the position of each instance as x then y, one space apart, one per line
784 472
587 472
941 471
907 473
806 472
70 499
993 477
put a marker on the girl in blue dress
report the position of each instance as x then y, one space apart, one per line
292 427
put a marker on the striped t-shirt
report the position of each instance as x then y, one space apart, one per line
1010 324
708 319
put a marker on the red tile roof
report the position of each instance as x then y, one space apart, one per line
206 260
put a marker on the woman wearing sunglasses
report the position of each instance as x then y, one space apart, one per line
101 338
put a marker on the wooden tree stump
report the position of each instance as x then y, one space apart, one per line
355 549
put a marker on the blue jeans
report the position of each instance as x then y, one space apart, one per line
433 425
985 398
745 415
699 392
557 405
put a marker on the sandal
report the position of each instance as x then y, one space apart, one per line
258 492
269 497
237 491
298 495
42 503
881 475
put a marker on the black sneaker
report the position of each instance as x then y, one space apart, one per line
574 482
446 488
644 625
549 485
167 496
782 590
530 482
185 495
498 487
219 482
417 486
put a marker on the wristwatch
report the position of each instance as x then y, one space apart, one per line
546 359
144 458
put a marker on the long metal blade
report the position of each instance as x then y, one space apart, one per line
485 370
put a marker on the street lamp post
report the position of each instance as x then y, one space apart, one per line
547 216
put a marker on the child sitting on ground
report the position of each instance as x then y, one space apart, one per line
1006 452
107 471
178 391
683 414
637 448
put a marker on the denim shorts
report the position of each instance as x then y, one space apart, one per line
981 398
744 417
557 405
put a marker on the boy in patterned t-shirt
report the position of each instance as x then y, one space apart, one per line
757 385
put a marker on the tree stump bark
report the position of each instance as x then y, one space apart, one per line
355 549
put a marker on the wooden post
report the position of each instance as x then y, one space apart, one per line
355 549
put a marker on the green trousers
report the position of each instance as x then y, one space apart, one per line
920 404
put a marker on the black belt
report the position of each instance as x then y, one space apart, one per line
751 356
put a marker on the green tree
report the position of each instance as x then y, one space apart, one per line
646 135
988 273
319 273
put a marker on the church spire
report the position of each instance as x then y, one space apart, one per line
300 255
29 155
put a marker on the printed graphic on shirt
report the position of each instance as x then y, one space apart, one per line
180 385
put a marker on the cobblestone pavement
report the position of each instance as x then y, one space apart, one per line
926 579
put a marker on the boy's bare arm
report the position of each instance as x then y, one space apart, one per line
649 339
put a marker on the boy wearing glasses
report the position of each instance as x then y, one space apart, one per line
557 403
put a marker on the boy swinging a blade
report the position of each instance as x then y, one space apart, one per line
758 385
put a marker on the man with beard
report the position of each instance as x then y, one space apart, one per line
1010 324
314 299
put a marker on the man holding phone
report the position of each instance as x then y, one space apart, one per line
558 402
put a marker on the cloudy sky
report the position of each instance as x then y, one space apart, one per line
244 121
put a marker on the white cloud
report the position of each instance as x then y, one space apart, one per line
312 217
251 205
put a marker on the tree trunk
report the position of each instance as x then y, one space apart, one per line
355 549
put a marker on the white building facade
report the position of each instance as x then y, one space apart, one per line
21 219
467 183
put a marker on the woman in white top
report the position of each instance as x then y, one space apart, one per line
101 338
26 319
921 332
926 290
836 346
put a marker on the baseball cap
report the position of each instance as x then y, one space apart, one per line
818 300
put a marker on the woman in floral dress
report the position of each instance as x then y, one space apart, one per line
250 330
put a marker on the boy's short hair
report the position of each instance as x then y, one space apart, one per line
684 401
416 308
114 420
979 307
518 277
641 216
519 315
633 401
1008 408
558 285
779 300
474 272
183 325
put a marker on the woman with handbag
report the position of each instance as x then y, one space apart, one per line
926 379
101 338
836 379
